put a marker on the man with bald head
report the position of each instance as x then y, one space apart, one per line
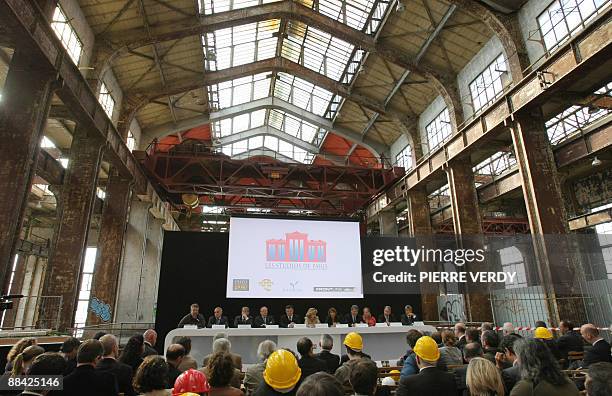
150 339
109 364
174 357
600 351
217 318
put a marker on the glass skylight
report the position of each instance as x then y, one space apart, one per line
272 143
213 6
292 125
302 93
239 123
239 91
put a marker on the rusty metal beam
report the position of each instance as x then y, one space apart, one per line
49 168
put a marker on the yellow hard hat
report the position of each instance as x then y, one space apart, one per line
354 341
427 349
282 370
395 374
543 333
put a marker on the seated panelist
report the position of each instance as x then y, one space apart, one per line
387 316
194 317
217 318
408 317
353 317
244 318
264 318
289 318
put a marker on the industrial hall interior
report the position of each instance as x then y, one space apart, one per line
125 123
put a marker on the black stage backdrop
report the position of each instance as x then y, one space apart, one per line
194 269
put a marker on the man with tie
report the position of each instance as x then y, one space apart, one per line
289 318
244 318
217 318
386 317
263 319
353 317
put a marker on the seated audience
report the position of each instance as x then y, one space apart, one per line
320 384
470 351
410 366
222 344
472 335
98 335
150 339
483 378
174 357
109 364
150 378
48 363
354 350
364 377
217 318
244 318
540 323
254 374
85 380
221 371
132 352
541 374
281 375
22 362
289 318
16 350
486 326
507 363
508 328
599 379
332 361
430 380
69 350
192 381
408 317
194 317
546 336
263 319
387 316
368 317
489 342
311 319
570 340
460 334
352 318
600 350
188 361
308 363
437 336
449 353
332 317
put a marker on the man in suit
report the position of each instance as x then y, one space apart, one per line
69 352
386 317
600 350
309 364
570 341
109 364
408 317
150 339
490 343
244 318
194 317
85 380
353 317
505 360
430 380
174 357
48 363
263 319
470 351
460 334
289 318
331 360
217 318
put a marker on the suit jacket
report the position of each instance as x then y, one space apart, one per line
266 390
259 321
239 321
430 381
600 352
284 320
149 350
348 318
570 342
381 318
85 380
121 371
460 374
331 360
311 365
511 376
544 388
406 321
190 320
187 363
213 321
461 342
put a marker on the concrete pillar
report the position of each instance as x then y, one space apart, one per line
387 222
110 246
149 278
410 128
74 208
26 98
558 268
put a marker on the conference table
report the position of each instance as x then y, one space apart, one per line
385 343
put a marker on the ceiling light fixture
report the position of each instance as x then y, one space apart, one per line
596 162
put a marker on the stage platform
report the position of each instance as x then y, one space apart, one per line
381 343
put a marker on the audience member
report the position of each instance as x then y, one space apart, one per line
368 317
354 351
193 318
472 335
254 374
364 377
221 371
217 318
430 380
332 361
408 317
437 336
506 361
150 339
541 374
69 351
16 350
387 316
449 353
289 318
470 351
600 350
546 336
85 380
244 318
410 366
188 361
132 352
281 375
308 363
489 342
174 356
320 384
109 364
223 344
570 340
486 326
192 381
599 379
332 318
540 323
98 335
460 334
22 362
483 378
48 363
263 319
352 318
508 328
150 378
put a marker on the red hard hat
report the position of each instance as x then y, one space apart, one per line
191 381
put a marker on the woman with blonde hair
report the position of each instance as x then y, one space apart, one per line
24 360
16 350
483 378
311 319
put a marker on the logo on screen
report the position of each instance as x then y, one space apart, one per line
240 285
296 247
266 284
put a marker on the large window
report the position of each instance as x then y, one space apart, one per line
496 164
404 158
130 141
106 100
489 84
65 32
512 261
85 291
439 130
564 18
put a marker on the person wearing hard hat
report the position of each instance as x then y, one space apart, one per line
191 382
281 375
546 336
354 351
430 380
